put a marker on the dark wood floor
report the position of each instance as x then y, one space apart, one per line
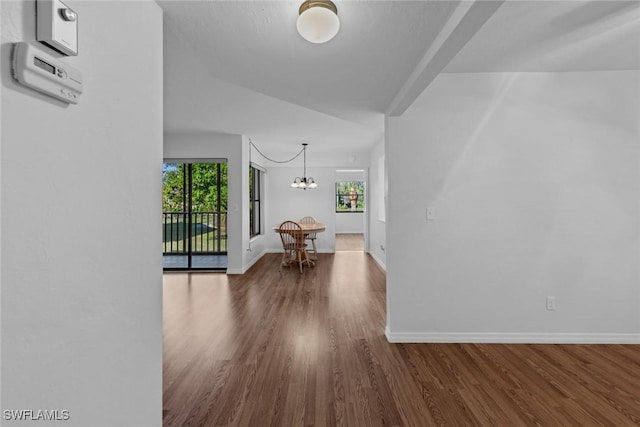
274 348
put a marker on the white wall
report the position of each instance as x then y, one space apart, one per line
284 203
208 145
81 247
535 182
349 222
377 228
252 248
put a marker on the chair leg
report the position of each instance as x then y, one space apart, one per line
314 251
300 260
288 256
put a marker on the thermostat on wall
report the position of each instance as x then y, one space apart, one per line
57 26
37 70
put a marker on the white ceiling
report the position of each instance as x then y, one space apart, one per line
254 44
240 66
555 36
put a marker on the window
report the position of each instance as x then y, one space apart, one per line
350 196
255 176
194 215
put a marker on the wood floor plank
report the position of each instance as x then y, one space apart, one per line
280 348
349 242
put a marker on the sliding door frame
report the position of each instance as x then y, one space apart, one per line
188 214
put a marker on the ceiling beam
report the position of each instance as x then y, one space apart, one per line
463 24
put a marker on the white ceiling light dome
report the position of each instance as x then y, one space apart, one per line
318 21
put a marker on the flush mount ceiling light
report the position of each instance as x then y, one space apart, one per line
318 20
304 182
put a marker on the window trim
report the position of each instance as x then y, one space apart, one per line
256 176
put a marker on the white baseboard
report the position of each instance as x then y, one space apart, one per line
378 261
246 268
279 251
509 338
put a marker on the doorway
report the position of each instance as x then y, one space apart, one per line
350 209
194 216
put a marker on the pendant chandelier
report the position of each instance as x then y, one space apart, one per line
304 182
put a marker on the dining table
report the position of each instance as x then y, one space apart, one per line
314 227
306 228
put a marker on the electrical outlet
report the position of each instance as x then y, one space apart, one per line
552 303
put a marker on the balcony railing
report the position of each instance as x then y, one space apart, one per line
206 230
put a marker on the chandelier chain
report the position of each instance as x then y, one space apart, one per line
272 160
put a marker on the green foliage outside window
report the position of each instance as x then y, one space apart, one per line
350 196
205 177
205 225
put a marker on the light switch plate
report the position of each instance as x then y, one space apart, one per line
431 214
57 26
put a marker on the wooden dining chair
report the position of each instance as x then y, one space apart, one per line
295 250
310 236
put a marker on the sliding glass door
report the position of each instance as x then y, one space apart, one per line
194 216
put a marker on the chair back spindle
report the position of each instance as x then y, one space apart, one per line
310 236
